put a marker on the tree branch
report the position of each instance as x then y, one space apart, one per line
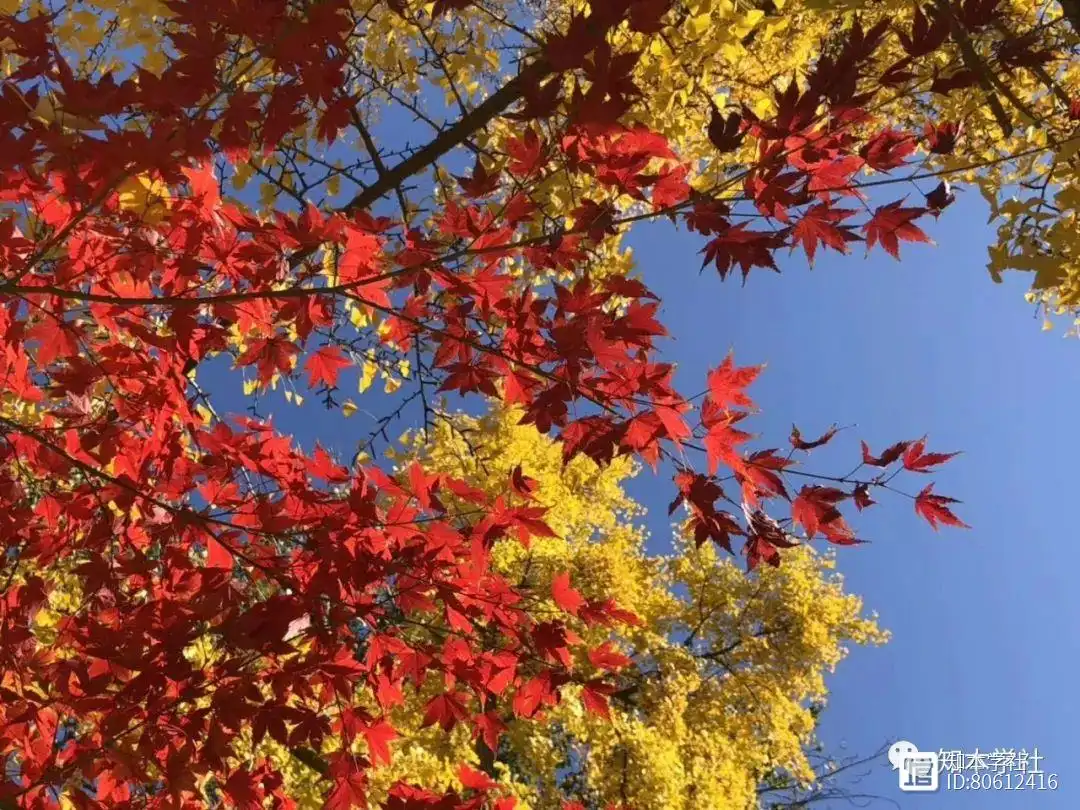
453 137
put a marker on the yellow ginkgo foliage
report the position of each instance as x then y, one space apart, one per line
726 670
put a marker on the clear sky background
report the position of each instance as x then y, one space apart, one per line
984 646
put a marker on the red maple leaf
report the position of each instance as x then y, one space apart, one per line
760 476
535 693
861 496
725 132
888 149
815 509
720 443
324 366
244 789
482 181
447 709
738 245
935 509
594 697
726 383
489 728
892 223
819 226
326 468
527 154
799 443
472 779
918 461
350 783
941 138
891 454
564 594
764 539
379 736
607 658
272 355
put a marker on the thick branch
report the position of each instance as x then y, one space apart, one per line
453 137
973 63
312 759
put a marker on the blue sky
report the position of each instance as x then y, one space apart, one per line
982 620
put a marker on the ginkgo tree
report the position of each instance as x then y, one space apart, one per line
198 190
714 682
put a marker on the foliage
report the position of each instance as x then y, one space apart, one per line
190 185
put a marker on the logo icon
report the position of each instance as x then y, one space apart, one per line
918 770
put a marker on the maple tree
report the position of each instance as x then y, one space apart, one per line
318 594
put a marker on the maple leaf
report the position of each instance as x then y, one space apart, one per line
272 355
533 694
489 728
244 789
759 476
737 244
217 555
927 34
815 509
594 697
935 509
861 496
472 779
607 658
941 138
350 783
764 540
447 709
891 454
564 594
757 550
521 483
481 183
726 383
940 198
799 443
888 149
720 443
892 223
819 226
379 736
326 468
671 189
725 132
918 461
527 154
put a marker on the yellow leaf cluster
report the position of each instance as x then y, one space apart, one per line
728 664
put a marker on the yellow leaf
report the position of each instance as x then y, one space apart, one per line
146 197
367 375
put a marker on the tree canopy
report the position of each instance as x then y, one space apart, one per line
296 197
